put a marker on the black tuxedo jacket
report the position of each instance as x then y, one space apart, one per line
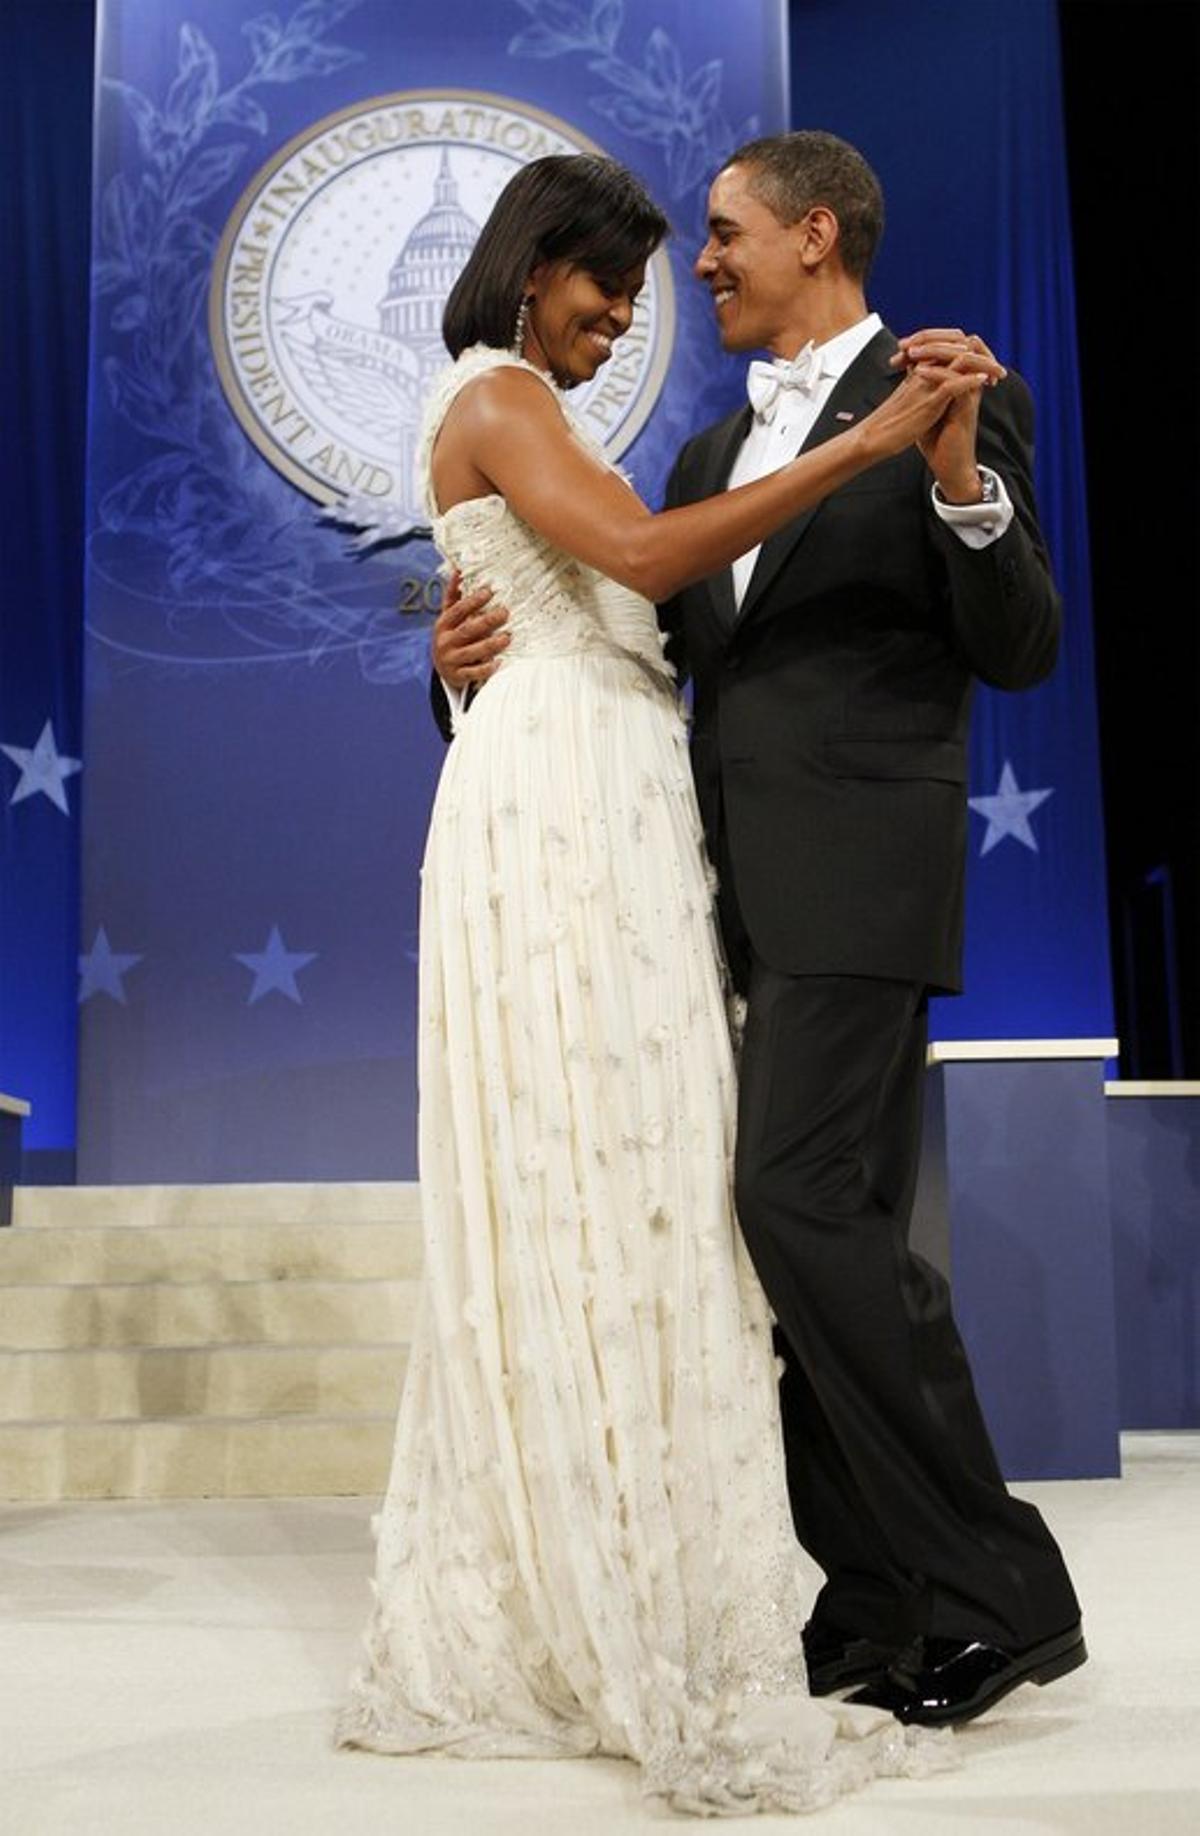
831 710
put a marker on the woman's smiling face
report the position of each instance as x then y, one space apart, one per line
576 316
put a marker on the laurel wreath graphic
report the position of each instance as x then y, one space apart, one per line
221 539
655 101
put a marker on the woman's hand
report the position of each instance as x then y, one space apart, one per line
949 345
922 401
948 444
468 635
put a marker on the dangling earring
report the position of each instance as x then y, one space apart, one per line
519 329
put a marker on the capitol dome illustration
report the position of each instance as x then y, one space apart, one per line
425 270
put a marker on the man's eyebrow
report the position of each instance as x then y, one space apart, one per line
718 222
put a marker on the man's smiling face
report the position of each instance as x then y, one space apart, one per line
751 265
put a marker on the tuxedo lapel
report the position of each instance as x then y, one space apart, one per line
718 463
860 389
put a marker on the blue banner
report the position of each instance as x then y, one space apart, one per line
281 205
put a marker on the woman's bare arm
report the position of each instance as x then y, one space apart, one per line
506 433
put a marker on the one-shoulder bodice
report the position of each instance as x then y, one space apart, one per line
557 606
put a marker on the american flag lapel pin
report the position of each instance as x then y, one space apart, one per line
844 414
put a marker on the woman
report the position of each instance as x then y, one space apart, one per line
586 1545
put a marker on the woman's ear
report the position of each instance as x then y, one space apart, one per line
536 279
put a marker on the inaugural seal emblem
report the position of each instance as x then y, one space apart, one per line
326 304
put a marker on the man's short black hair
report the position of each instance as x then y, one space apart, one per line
791 173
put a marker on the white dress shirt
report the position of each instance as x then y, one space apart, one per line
771 443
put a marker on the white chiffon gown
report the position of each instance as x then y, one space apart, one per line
586 1546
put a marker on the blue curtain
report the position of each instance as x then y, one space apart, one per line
45 154
959 109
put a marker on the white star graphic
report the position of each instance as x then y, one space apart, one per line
43 768
102 969
275 969
1007 812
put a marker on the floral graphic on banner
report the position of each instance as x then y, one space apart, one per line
655 101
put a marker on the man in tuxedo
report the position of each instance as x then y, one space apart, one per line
832 673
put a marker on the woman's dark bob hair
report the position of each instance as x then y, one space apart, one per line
573 207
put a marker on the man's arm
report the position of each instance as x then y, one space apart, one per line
1005 609
439 701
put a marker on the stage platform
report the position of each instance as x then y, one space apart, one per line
176 1667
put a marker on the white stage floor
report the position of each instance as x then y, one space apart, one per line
173 1669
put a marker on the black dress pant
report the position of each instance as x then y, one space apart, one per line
895 1489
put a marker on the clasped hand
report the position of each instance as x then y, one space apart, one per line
947 445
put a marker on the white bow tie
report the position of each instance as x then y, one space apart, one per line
764 381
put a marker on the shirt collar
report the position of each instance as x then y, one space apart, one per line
839 352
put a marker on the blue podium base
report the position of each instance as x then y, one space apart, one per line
1014 1204
1154 1173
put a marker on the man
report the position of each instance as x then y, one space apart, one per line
832 674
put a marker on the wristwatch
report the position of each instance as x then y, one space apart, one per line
989 486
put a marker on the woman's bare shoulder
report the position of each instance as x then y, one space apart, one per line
493 397
505 411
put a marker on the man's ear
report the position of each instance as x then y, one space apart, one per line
819 231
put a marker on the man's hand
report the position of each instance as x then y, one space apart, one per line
948 448
468 635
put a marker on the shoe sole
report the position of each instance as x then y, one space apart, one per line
858 1679
1055 1659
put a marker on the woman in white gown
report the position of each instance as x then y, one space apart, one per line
586 1545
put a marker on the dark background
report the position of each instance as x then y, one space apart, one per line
1129 76
1129 73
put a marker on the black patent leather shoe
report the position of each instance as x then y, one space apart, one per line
842 1660
940 1682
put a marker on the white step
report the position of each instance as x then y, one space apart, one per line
270 1251
114 1314
206 1458
375 1202
237 1380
